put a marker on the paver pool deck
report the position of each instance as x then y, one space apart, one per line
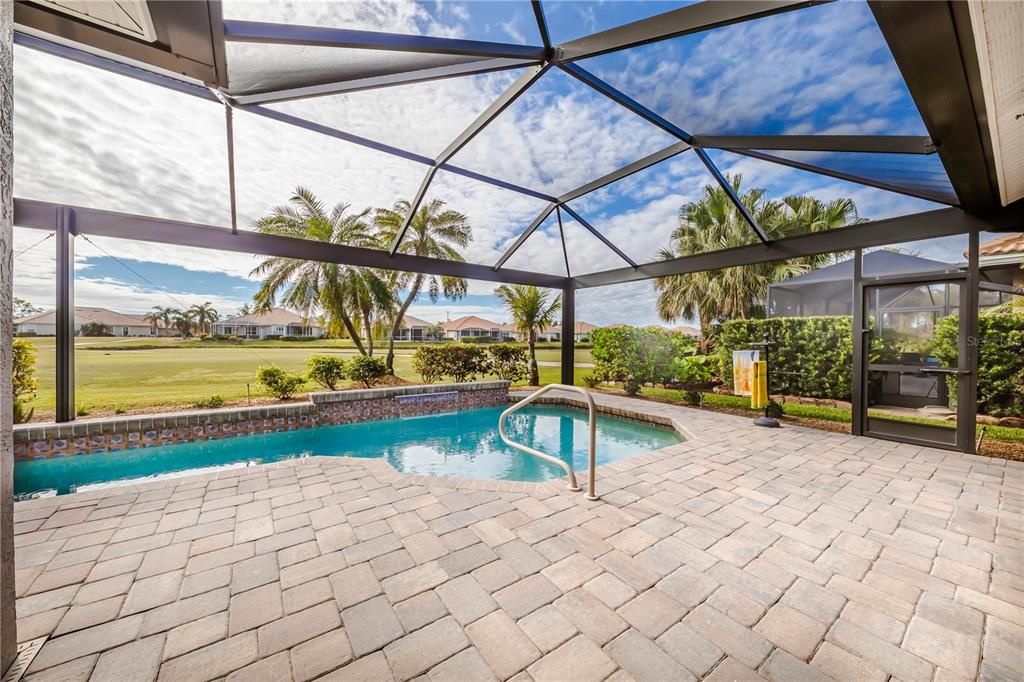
740 553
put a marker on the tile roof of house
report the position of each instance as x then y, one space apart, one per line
469 322
409 321
274 316
1010 244
579 328
84 315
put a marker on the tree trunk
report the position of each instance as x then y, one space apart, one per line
396 327
534 371
368 325
352 333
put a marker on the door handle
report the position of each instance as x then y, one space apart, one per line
937 370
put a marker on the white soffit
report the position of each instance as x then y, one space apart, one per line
999 35
130 17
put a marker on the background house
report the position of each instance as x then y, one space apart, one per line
274 322
413 329
1000 261
469 326
581 332
117 324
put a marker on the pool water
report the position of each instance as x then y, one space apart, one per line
464 444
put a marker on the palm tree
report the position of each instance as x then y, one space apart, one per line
243 310
433 232
158 316
312 286
369 293
713 223
204 316
154 322
182 321
531 313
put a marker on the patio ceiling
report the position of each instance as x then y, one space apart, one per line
940 153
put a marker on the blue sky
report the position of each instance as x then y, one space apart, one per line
89 138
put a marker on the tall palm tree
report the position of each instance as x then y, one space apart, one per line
713 223
204 315
532 313
312 286
158 316
182 321
368 293
433 232
154 322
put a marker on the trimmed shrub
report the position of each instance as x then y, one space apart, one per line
429 362
279 383
464 362
509 362
367 371
1000 346
326 370
94 329
813 358
214 401
23 375
635 356
693 398
478 339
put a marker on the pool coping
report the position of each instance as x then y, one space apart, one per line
387 473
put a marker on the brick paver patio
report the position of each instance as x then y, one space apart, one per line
741 553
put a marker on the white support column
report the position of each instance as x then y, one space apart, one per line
8 632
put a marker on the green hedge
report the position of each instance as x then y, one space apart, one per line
465 362
1000 345
820 348
637 356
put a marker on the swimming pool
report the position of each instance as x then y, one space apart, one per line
464 444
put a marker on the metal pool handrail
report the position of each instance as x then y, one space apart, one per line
591 463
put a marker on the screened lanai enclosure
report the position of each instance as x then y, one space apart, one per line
569 133
569 145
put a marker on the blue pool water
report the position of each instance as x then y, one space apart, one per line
464 444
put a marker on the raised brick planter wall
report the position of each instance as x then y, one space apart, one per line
33 441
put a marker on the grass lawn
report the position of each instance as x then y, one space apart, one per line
135 373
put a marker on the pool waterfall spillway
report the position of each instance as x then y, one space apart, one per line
447 401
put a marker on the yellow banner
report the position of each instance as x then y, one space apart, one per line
743 362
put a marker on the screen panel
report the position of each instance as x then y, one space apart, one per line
259 68
508 21
832 73
558 135
919 174
496 215
640 212
571 20
423 118
273 159
88 137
